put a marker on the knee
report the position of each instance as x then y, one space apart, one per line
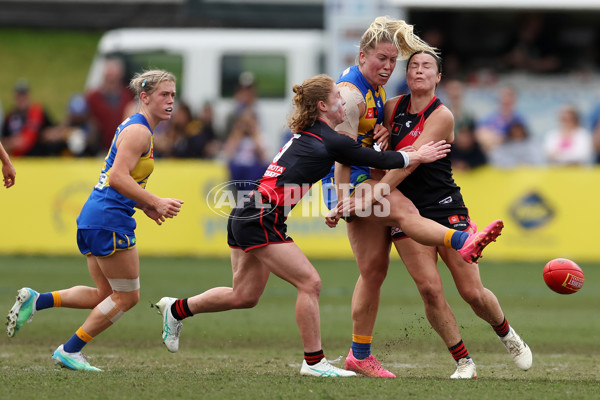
311 285
248 301
127 300
406 213
473 296
375 272
102 294
432 295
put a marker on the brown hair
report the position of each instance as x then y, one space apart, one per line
437 58
307 95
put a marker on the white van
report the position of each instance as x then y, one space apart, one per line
208 62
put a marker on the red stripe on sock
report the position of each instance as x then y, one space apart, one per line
179 308
502 329
459 351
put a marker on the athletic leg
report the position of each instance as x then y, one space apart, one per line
250 277
370 242
421 263
486 306
397 210
249 280
121 271
29 301
287 261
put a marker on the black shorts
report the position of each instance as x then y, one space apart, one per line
453 215
255 225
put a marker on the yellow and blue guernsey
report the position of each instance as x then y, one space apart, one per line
106 208
374 101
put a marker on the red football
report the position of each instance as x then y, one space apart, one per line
563 276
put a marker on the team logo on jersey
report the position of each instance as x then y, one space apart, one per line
446 200
371 113
408 124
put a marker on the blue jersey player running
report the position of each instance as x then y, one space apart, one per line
106 227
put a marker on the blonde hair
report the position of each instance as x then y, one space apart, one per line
305 113
148 81
387 30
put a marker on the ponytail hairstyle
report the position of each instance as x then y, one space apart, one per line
307 96
148 81
388 30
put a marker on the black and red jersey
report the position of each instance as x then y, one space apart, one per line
430 184
308 156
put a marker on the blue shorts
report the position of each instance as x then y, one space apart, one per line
358 175
103 243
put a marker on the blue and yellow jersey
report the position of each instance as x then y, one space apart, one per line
106 208
374 101
373 115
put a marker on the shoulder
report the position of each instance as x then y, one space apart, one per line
442 113
331 137
351 93
136 130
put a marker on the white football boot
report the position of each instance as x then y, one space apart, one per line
518 349
171 326
465 369
325 370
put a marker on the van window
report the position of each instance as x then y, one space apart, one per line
140 61
269 72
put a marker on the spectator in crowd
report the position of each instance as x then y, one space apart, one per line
108 102
466 152
24 124
492 130
207 136
78 131
245 97
245 152
518 149
570 143
454 96
533 47
184 136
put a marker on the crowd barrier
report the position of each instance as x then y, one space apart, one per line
548 212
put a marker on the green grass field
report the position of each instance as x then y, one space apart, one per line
55 62
252 354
